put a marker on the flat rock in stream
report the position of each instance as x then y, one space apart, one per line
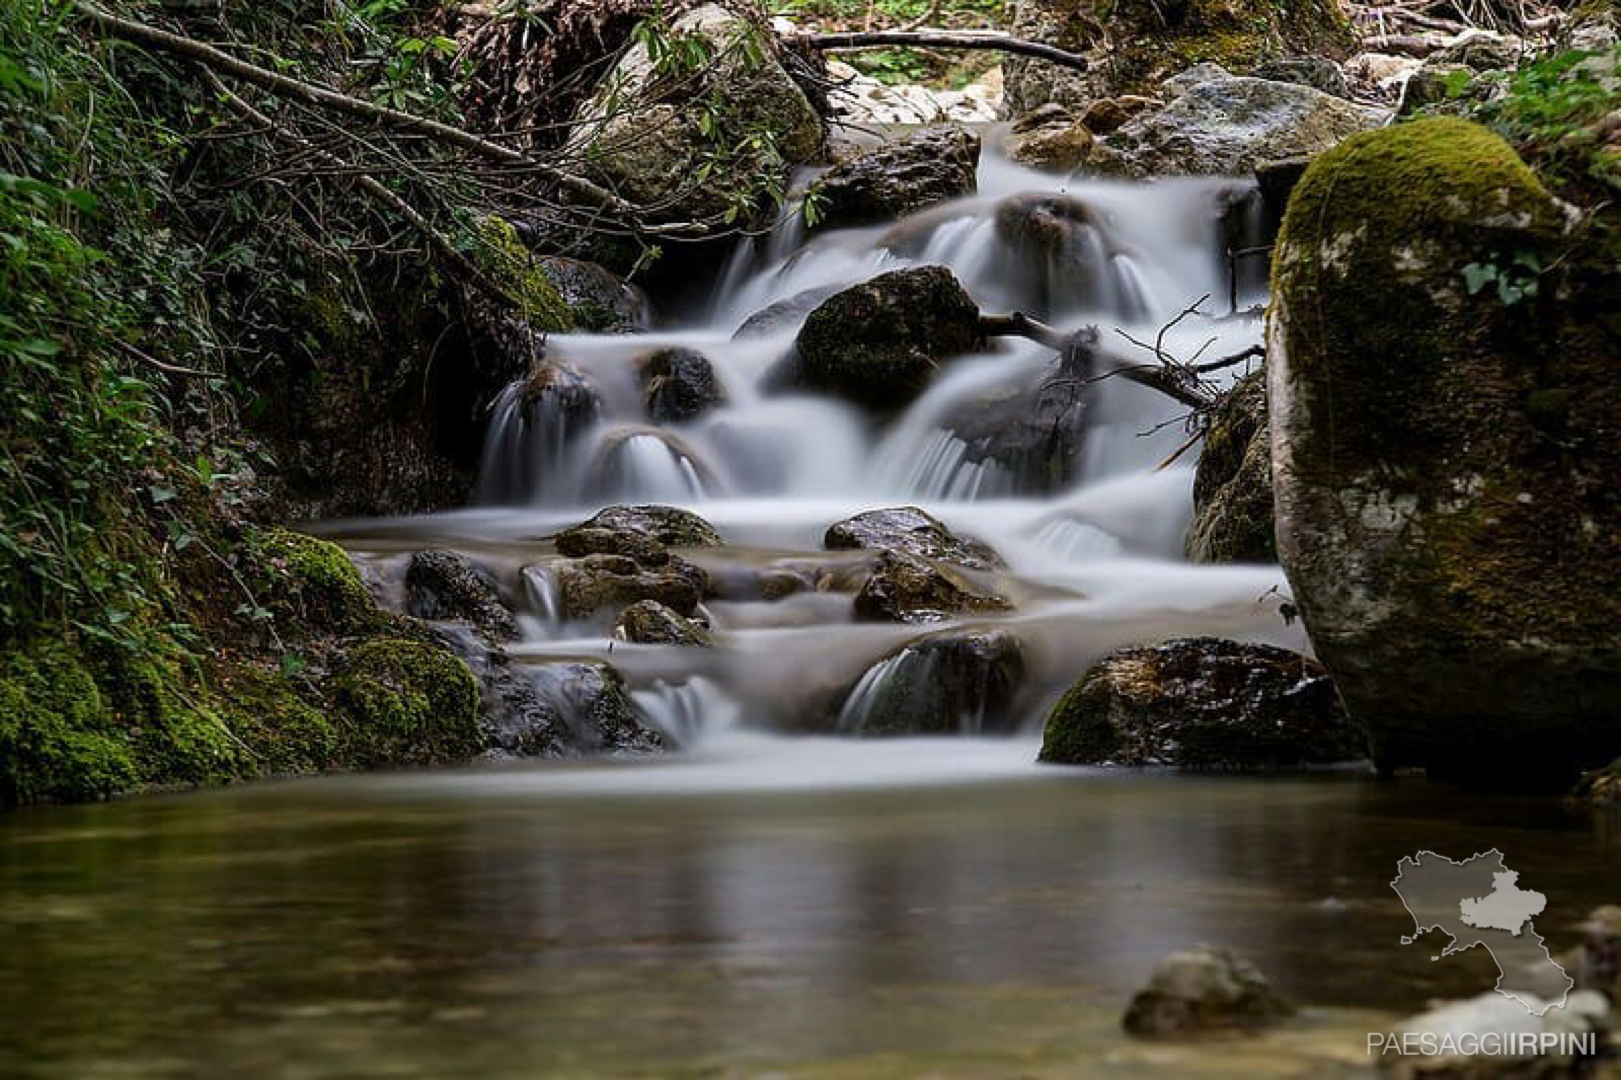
648 622
590 584
637 532
906 588
909 529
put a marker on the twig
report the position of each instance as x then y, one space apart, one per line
995 41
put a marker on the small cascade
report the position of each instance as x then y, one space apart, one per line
687 712
543 608
948 684
646 465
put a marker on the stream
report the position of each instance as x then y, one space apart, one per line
778 896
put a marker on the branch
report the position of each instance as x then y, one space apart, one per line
944 39
1156 377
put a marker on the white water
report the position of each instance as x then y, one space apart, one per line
1093 565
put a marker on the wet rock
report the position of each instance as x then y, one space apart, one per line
559 395
515 722
406 702
1107 114
642 138
1499 1016
783 315
953 683
630 530
1233 484
898 178
909 529
1314 71
1050 139
1202 703
442 585
648 622
679 385
1203 991
589 584
906 588
879 343
1275 180
1058 252
601 301
1028 442
1227 126
1134 45
592 699
1445 454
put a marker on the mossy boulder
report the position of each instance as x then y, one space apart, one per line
598 299
1219 125
909 529
59 740
1134 44
1202 703
648 131
310 583
952 683
511 266
898 178
879 343
1442 386
906 588
1233 484
407 702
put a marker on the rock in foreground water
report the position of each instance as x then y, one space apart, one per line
1202 703
906 588
952 683
648 622
1203 991
1442 389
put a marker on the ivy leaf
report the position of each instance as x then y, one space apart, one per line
1477 276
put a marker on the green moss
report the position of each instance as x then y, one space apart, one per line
178 735
59 741
407 702
515 270
1078 730
310 585
275 719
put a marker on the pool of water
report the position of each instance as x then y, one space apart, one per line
767 907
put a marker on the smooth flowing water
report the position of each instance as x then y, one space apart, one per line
778 897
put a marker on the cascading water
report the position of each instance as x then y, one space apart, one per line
1069 486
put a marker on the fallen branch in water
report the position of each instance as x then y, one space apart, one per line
986 40
1160 377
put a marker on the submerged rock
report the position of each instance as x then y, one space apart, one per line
600 300
1202 703
879 343
1050 138
1030 440
1442 380
679 385
1202 991
648 622
1227 126
953 683
1133 45
898 178
1058 252
909 529
1233 484
906 588
443 585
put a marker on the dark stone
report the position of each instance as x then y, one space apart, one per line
679 385
1314 71
648 622
589 584
1276 179
953 683
906 588
879 343
627 530
1202 703
909 529
898 178
592 699
442 585
601 301
784 315
1204 990
1233 484
1057 253
555 392
515 721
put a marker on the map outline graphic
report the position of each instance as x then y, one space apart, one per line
1450 896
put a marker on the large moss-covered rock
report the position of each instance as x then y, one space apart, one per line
951 683
1225 126
907 528
1442 383
649 131
1233 484
879 343
599 300
1134 44
59 741
898 178
407 702
309 582
1202 703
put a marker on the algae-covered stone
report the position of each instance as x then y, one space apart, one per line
1233 484
59 741
898 178
310 582
407 702
648 622
1134 44
880 343
1202 703
599 300
1442 383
